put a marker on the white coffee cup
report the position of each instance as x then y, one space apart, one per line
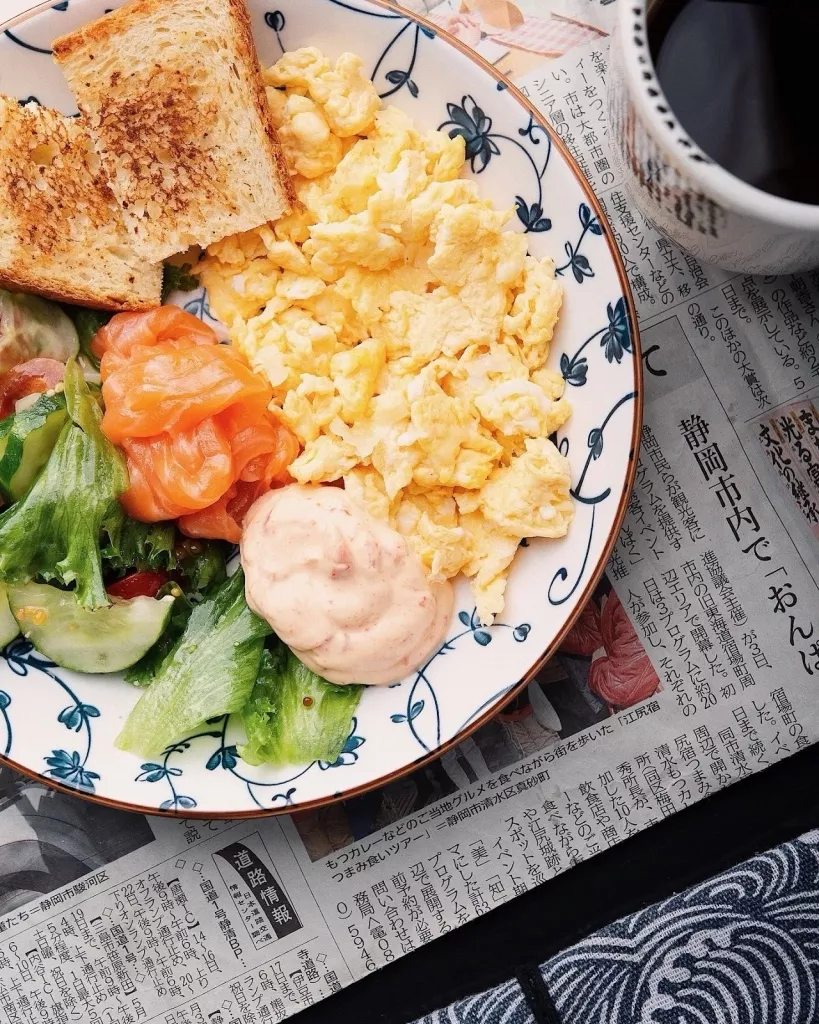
696 203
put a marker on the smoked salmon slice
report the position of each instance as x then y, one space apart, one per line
224 518
125 331
217 522
185 471
176 388
192 418
262 447
261 454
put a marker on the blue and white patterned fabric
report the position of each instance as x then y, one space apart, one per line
505 1003
741 948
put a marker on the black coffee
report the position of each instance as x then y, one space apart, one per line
741 80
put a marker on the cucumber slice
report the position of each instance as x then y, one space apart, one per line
106 640
8 624
27 441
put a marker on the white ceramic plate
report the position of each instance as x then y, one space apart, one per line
60 726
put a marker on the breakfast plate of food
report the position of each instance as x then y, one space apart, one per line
320 397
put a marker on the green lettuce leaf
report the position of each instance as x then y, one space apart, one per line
177 279
294 716
198 573
53 532
87 322
134 545
200 564
209 672
206 568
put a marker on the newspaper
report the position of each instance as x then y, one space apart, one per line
695 664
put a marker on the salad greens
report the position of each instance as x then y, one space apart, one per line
290 715
195 648
293 715
87 322
140 545
53 531
31 327
209 672
157 546
177 279
203 564
145 671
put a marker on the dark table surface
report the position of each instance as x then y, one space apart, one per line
775 805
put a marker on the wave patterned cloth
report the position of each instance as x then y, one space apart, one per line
741 948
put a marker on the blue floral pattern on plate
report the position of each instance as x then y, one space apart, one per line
469 121
62 725
70 768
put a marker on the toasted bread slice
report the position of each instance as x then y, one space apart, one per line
174 98
61 231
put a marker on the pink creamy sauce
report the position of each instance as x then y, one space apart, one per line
340 588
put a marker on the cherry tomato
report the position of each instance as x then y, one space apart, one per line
138 584
36 375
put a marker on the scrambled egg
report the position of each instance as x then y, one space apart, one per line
403 330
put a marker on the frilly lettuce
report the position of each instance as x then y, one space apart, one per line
53 532
133 545
199 564
177 279
87 322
